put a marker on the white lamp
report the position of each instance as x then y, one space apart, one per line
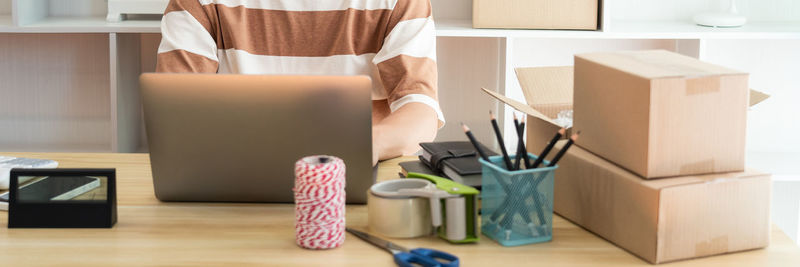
721 19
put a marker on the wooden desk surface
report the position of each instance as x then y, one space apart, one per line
150 232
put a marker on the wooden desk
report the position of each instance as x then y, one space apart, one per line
150 232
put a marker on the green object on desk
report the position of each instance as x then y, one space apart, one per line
470 195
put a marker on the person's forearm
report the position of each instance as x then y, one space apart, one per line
401 132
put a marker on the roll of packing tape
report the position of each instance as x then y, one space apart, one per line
396 215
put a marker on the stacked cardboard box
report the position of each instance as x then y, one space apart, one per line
659 165
536 14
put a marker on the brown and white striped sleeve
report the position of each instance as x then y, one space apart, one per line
187 38
407 59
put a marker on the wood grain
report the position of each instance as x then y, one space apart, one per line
150 233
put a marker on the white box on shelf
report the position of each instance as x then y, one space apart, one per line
118 8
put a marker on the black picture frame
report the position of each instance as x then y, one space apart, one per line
67 214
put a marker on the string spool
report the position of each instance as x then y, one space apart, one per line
319 199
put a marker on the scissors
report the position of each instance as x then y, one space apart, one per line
405 258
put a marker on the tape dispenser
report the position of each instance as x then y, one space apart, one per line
454 207
420 204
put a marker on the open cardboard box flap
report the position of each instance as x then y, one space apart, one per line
757 97
547 91
525 108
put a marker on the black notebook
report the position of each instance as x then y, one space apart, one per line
456 160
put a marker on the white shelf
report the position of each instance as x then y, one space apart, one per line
463 28
634 30
688 30
87 25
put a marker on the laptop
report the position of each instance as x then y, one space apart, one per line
236 138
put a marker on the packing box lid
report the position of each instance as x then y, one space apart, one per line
653 64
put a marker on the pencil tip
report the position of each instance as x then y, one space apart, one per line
515 115
574 137
466 129
562 131
491 114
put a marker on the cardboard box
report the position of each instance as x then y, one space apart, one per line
664 220
536 14
659 113
547 91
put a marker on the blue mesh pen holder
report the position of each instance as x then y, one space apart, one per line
516 206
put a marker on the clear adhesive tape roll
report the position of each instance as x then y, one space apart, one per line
398 216
319 199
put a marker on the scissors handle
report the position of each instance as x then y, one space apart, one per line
406 259
444 259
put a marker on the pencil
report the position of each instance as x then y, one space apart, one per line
519 148
475 143
521 151
522 142
497 133
549 147
564 149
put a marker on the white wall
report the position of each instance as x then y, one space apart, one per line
773 126
560 52
756 10
78 8
657 9
465 65
786 206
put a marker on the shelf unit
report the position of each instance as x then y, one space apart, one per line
634 30
92 24
457 28
468 59
5 14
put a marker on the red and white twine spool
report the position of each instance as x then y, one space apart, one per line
319 202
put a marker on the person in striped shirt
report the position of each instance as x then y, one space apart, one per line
392 41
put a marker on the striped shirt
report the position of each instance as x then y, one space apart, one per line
392 41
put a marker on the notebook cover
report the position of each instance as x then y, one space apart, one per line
464 166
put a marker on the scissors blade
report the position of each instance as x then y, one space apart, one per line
388 246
